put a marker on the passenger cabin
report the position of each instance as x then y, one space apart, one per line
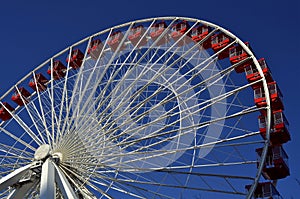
279 133
236 55
265 190
253 75
76 59
59 70
38 83
199 33
178 30
275 96
95 48
155 32
4 111
115 39
218 42
136 36
21 96
276 165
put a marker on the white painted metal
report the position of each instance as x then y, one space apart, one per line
63 184
47 184
20 192
42 152
13 177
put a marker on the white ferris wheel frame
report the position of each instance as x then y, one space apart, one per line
50 169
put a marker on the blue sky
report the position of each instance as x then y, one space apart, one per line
32 31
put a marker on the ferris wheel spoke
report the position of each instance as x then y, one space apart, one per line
15 157
51 97
203 108
216 74
64 99
30 115
152 108
14 150
100 105
85 192
85 89
37 120
63 183
122 190
73 94
120 67
88 183
116 180
119 188
25 127
41 109
55 131
70 118
12 160
154 134
11 135
109 63
83 107
104 90
159 184
69 103
132 99
164 154
161 152
143 72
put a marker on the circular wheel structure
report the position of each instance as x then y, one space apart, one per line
154 108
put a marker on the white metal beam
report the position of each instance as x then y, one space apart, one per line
63 184
13 177
20 192
47 188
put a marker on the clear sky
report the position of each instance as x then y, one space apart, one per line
32 31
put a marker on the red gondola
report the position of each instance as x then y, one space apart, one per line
21 96
253 75
95 49
237 54
199 33
4 111
136 35
218 42
265 190
156 30
275 96
75 59
59 70
115 39
180 29
279 133
38 82
276 165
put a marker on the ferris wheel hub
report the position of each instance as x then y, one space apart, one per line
42 152
57 156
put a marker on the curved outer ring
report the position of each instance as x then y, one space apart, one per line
240 42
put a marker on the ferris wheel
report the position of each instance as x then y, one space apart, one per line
167 107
